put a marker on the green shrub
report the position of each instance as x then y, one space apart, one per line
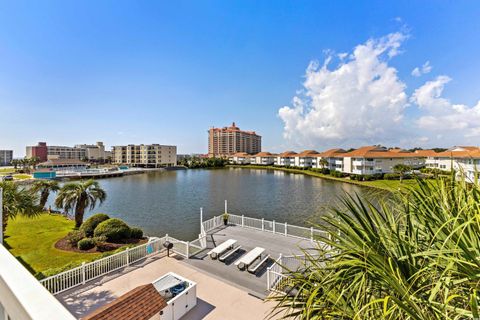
338 174
391 176
136 233
74 237
89 225
113 229
86 244
99 240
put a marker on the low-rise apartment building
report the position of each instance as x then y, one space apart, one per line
331 159
263 158
6 157
151 155
286 159
239 158
463 159
306 159
378 159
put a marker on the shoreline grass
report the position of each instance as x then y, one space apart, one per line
32 242
388 185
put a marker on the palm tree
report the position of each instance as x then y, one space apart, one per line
17 200
45 187
416 258
79 196
401 169
323 163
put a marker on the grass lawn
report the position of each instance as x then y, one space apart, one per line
32 241
390 185
6 170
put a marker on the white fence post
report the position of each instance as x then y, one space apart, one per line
285 229
188 250
128 257
263 228
268 279
83 273
273 226
311 234
243 220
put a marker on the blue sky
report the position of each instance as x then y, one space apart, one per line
164 72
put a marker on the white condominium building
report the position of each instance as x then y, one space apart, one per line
263 158
378 159
151 155
464 159
331 159
239 158
286 159
306 159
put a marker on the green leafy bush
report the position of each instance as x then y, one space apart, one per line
337 174
74 237
86 244
136 233
391 176
89 225
113 229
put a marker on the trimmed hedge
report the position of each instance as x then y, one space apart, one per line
391 176
136 233
113 229
86 244
74 237
89 225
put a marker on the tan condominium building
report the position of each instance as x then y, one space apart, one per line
224 142
145 155
90 152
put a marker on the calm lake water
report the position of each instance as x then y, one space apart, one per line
169 202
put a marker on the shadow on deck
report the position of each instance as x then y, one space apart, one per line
274 245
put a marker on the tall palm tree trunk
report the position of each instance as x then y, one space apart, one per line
43 198
80 211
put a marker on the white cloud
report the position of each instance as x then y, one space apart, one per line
442 116
424 69
362 97
362 100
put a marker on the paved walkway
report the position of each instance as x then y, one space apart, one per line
216 299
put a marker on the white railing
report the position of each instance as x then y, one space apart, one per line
92 270
282 228
278 273
22 296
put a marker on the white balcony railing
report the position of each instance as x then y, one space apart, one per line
22 296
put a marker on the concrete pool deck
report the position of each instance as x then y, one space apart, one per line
216 299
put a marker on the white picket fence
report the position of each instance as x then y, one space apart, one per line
88 271
263 225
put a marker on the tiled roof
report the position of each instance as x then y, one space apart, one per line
241 154
460 152
288 154
141 303
382 152
308 153
264 154
332 153
57 162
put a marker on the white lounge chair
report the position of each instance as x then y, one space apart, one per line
249 258
221 248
